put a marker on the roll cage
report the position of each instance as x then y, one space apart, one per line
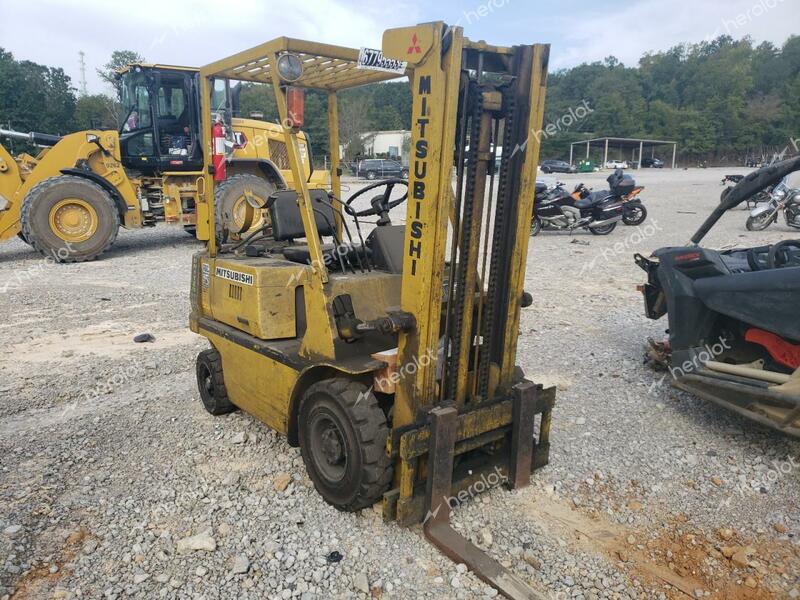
326 68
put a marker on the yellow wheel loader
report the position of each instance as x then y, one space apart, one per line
70 199
387 352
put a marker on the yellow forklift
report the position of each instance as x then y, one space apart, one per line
389 356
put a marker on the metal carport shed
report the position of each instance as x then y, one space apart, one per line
623 144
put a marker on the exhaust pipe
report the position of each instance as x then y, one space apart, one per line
605 222
34 137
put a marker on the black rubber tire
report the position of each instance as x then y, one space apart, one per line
34 217
211 383
371 175
536 226
604 230
546 170
190 230
635 216
230 190
755 224
361 433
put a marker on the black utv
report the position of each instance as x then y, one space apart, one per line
734 316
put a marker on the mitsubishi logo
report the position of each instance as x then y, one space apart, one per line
414 47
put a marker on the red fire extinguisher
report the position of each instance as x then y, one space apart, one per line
218 151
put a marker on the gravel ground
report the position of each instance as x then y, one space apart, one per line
114 481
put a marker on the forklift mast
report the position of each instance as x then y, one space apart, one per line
464 265
466 250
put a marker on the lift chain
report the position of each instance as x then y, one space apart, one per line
498 255
455 305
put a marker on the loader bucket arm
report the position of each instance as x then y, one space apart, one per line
10 182
32 137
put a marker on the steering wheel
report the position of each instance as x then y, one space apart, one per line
380 204
778 257
758 258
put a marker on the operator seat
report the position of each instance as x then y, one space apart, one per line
387 243
384 244
287 223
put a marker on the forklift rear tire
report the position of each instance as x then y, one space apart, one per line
211 383
343 435
69 218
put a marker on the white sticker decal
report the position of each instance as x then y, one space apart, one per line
235 276
370 58
206 275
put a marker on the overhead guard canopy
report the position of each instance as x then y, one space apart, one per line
325 66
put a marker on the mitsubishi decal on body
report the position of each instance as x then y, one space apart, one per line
420 174
235 276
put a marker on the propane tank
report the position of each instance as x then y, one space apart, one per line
218 151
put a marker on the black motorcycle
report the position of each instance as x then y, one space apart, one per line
556 209
624 187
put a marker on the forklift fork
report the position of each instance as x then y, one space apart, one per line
437 528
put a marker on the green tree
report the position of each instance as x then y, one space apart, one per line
119 59
35 97
96 111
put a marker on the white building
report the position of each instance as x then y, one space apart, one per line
389 143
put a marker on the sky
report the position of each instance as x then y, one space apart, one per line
196 32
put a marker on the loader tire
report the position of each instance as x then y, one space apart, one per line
69 219
235 217
211 383
343 435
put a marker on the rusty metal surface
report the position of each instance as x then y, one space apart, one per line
444 423
522 434
461 550
413 441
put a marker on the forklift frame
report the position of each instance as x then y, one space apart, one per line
434 425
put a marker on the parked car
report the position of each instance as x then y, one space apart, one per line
557 166
381 168
652 163
617 164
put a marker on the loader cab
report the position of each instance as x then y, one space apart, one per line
160 130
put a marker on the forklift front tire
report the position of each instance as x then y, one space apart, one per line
343 436
211 383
